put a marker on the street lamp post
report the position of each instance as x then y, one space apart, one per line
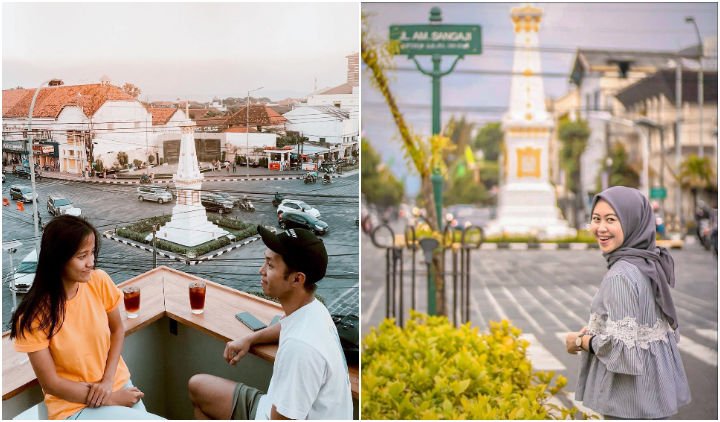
701 53
247 131
53 82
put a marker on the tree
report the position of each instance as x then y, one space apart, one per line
151 159
489 139
464 190
620 173
697 174
380 187
122 158
131 89
423 155
573 137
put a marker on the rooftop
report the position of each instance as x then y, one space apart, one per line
51 100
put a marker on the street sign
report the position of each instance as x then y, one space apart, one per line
437 39
658 193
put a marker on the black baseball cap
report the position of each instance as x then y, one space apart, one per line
301 250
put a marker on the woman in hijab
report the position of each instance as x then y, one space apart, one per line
631 366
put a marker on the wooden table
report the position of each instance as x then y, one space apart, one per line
164 292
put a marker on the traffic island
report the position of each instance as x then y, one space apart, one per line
138 233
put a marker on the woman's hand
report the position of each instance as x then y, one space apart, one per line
99 393
127 397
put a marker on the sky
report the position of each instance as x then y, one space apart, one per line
483 98
181 50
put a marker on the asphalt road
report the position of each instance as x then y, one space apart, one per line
548 293
108 206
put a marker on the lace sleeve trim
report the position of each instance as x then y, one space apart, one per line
629 331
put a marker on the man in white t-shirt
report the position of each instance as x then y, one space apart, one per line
310 377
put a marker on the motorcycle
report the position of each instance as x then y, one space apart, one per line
326 179
310 178
277 199
144 179
246 205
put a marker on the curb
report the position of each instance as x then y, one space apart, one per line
108 234
166 181
538 246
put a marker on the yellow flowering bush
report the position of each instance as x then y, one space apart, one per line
432 370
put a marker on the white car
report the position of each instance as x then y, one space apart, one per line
294 205
25 273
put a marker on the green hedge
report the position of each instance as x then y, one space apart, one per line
138 232
433 370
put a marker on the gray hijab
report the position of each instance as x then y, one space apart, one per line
638 248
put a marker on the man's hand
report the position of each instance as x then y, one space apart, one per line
237 349
99 393
127 397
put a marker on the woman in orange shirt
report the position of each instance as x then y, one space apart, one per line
69 324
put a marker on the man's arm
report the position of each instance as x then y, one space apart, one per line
237 349
274 415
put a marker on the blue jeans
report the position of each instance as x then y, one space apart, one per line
115 412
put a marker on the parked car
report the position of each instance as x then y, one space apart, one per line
152 193
25 273
59 205
290 220
22 193
293 205
216 203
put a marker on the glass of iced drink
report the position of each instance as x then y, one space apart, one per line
131 295
197 296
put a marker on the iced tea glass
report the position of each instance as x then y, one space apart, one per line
197 296
131 295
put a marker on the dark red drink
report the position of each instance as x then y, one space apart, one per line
197 297
131 295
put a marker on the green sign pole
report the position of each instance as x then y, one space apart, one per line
436 40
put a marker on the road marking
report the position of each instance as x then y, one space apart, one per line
542 307
540 357
476 308
495 304
570 396
698 302
373 306
697 350
561 306
582 292
708 333
521 309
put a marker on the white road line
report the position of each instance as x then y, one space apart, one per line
540 357
495 304
524 313
697 350
367 314
476 308
584 293
571 397
698 302
548 313
562 307
686 314
707 333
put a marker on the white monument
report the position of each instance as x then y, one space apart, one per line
527 202
189 225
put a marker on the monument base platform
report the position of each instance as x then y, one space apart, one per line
189 227
529 209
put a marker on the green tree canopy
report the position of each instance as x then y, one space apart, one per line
620 172
379 186
489 139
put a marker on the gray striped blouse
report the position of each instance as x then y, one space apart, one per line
636 371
